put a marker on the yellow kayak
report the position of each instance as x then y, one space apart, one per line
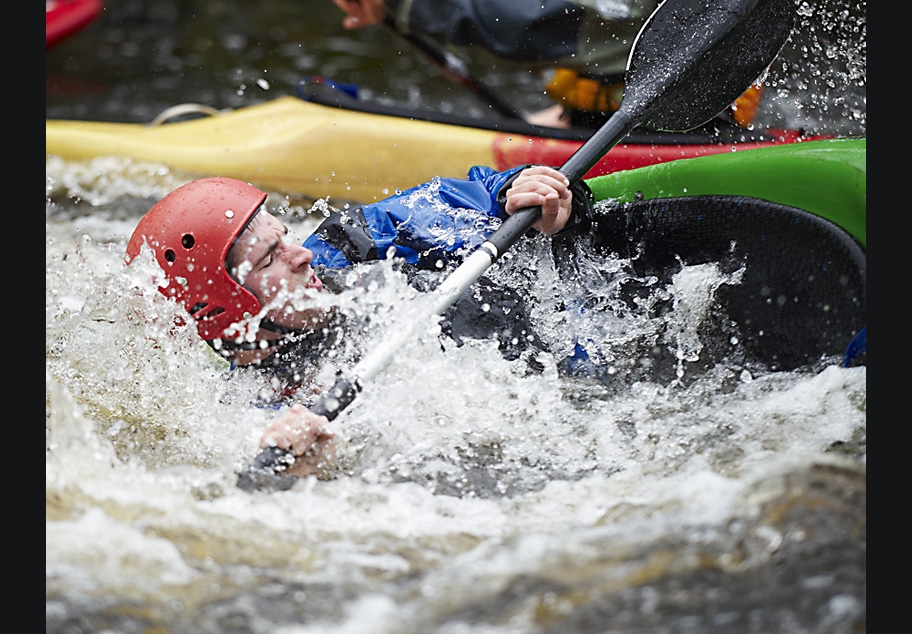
300 147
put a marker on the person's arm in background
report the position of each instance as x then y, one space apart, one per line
542 31
578 40
591 36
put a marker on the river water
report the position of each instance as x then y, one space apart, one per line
471 495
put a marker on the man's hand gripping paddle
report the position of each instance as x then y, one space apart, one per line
690 61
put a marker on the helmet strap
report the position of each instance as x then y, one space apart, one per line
271 326
287 335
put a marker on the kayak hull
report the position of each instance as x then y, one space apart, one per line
314 150
825 177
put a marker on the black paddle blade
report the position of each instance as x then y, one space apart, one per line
693 58
690 61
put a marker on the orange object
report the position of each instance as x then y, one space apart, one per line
574 92
745 107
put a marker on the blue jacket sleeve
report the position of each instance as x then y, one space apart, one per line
431 224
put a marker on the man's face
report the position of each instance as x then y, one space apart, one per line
278 272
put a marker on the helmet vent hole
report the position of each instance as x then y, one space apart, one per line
215 312
188 241
169 255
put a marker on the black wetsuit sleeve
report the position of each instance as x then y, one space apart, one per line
523 31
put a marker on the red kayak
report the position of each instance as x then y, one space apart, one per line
65 17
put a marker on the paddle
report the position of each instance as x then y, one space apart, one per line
454 69
688 63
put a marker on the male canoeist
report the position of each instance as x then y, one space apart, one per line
250 290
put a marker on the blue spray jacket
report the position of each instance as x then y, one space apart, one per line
440 221
443 219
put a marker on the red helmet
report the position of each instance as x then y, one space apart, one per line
191 230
